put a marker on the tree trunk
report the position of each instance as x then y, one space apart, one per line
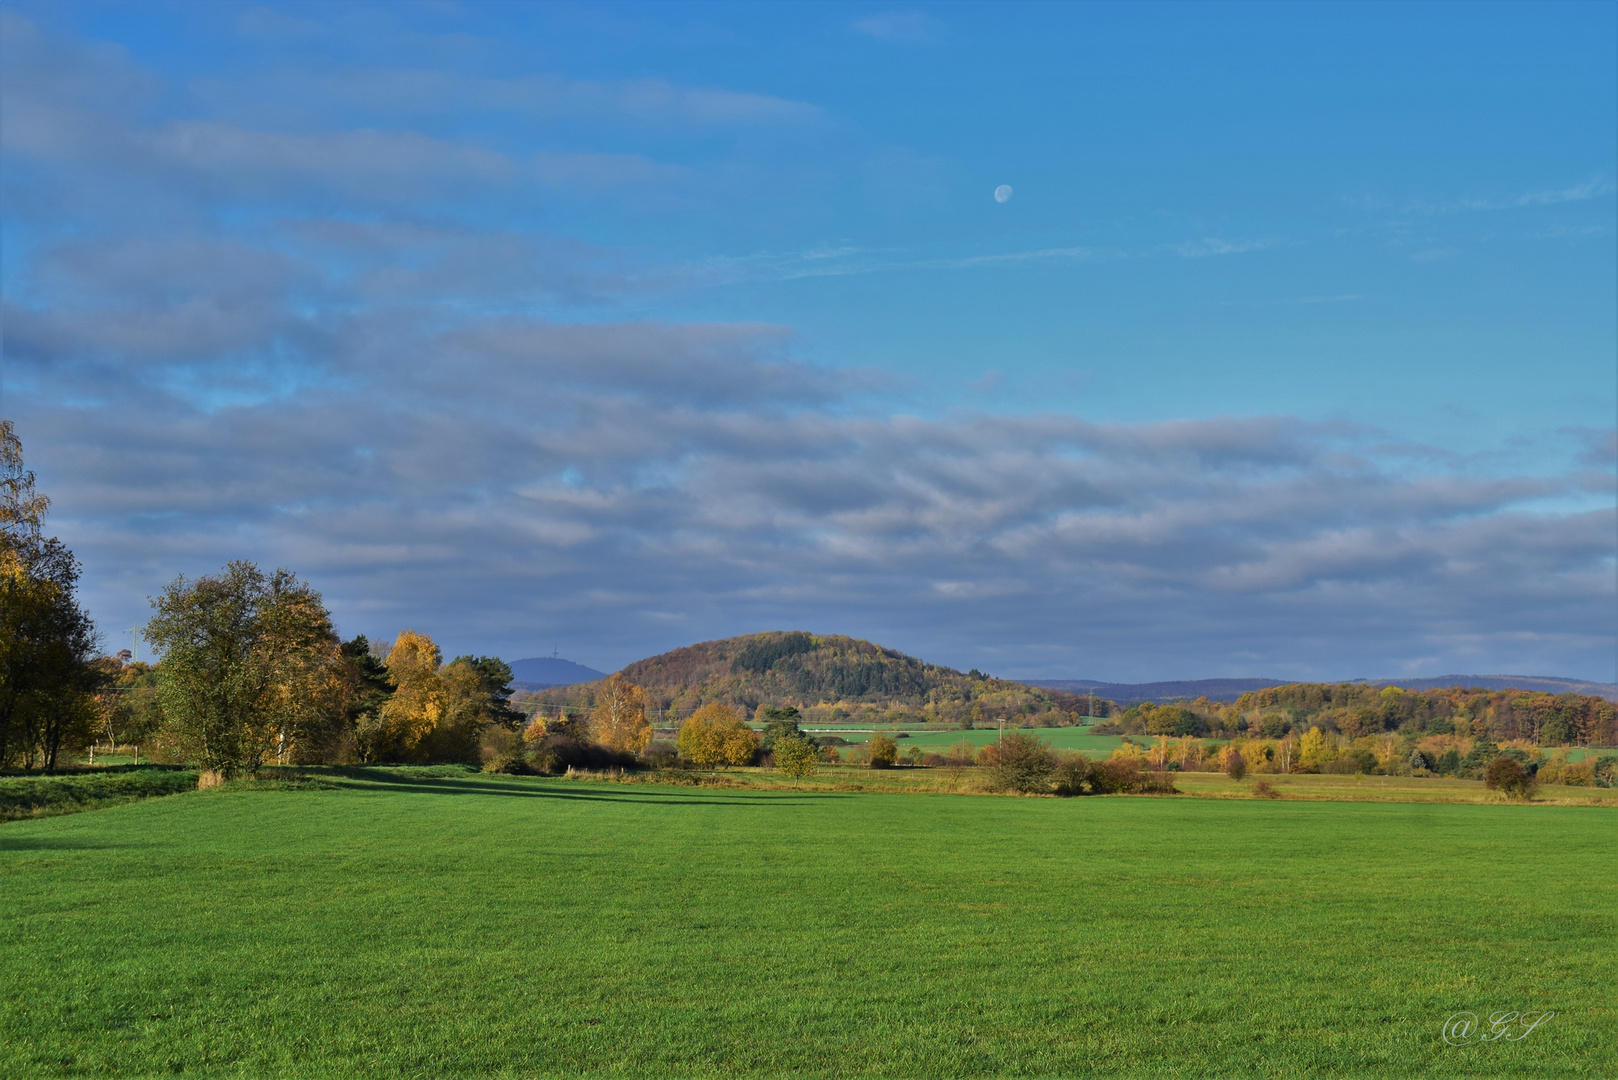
53 736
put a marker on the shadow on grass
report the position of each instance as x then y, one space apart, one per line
440 786
51 843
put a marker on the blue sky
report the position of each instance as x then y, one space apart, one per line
1294 351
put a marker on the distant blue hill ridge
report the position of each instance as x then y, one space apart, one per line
541 671
1231 689
1134 693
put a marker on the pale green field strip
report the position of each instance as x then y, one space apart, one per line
1057 738
1363 787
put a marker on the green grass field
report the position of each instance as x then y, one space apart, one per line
1056 738
484 926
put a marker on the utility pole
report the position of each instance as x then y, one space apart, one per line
1001 744
134 641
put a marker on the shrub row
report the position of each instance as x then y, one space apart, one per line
1022 763
555 754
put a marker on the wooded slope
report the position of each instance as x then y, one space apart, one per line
833 677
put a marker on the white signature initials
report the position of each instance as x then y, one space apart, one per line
1460 1028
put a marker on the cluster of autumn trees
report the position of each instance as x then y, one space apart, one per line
713 736
253 671
1355 711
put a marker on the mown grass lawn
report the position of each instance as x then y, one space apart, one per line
519 927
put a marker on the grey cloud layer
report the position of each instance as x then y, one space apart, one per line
588 501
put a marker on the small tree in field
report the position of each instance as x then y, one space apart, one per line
796 757
1235 765
715 735
883 752
1020 762
1506 775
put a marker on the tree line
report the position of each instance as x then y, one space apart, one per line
1355 710
252 671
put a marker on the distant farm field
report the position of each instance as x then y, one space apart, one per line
477 926
1058 738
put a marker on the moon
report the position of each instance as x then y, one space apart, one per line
1002 193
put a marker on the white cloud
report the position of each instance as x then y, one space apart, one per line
413 94
1213 245
906 27
1593 188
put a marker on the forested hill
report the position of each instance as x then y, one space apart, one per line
833 677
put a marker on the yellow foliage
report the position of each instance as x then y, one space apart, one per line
715 735
1530 748
882 752
1559 770
542 727
618 721
1263 755
1389 754
416 707
1313 750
